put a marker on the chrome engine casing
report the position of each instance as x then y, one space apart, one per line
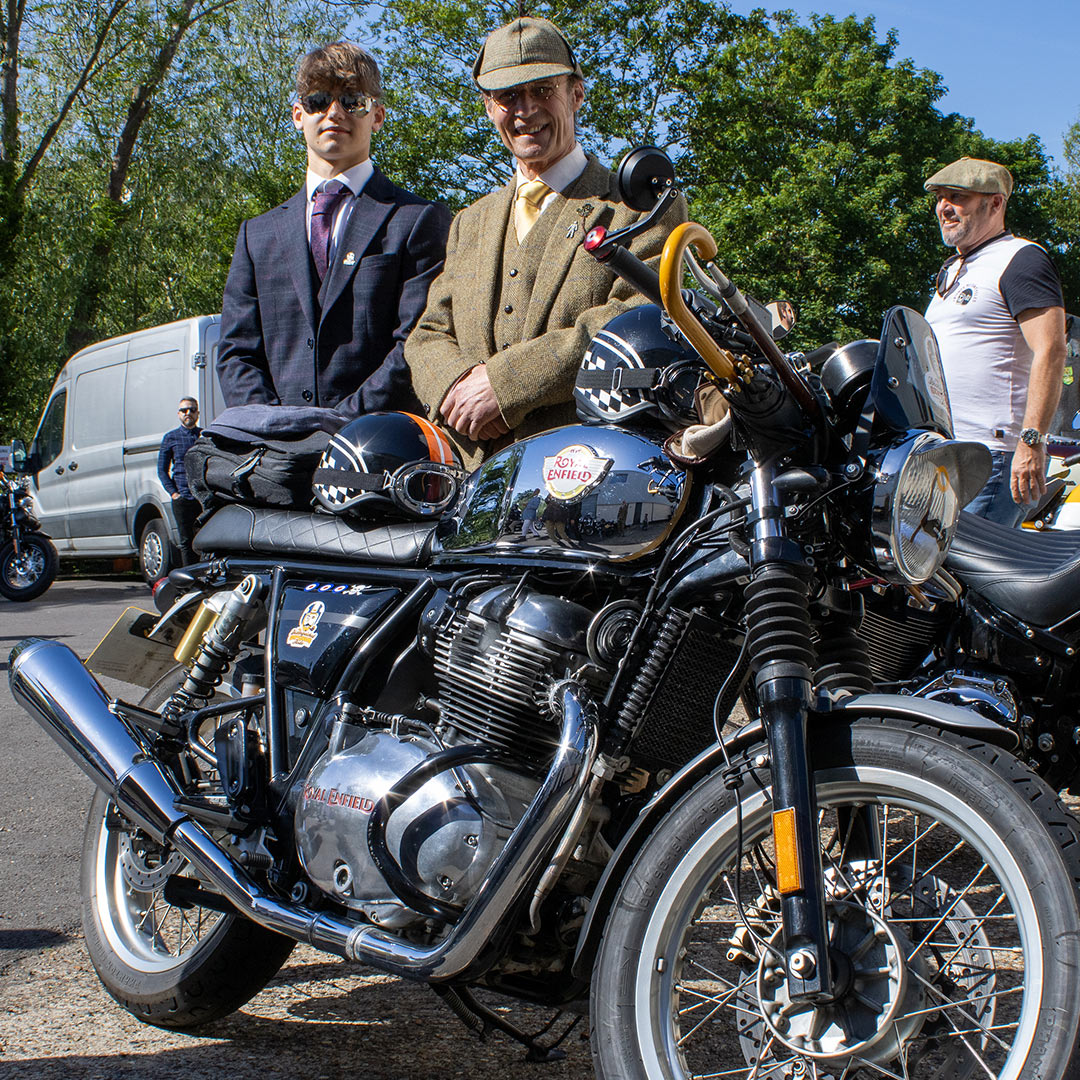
444 840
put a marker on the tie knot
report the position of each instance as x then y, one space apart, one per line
330 192
533 192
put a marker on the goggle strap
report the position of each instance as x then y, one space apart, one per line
619 378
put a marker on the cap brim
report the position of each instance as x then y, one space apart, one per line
520 73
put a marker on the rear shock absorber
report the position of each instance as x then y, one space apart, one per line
217 650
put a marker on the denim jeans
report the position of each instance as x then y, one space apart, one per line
995 501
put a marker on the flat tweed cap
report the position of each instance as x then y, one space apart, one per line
523 51
973 174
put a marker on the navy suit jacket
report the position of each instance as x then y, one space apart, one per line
285 343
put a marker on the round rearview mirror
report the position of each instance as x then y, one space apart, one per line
782 313
642 176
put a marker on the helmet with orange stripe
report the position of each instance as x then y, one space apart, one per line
380 462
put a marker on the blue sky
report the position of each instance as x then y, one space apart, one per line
1011 65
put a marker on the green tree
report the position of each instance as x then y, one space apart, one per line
808 146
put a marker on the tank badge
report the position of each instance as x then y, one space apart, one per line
307 629
574 471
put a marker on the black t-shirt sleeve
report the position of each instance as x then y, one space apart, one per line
1030 281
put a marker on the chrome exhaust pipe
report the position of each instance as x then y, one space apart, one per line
51 683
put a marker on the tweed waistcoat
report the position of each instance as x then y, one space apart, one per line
517 278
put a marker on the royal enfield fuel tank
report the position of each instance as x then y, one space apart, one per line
593 492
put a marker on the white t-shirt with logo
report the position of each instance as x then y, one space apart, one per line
987 362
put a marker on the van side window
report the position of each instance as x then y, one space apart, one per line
50 434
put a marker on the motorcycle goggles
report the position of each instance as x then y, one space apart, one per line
319 101
420 488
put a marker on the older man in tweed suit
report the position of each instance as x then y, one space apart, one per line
495 352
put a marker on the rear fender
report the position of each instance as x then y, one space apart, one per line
890 706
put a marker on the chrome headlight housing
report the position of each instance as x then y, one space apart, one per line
920 486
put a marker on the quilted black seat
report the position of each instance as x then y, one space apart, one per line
246 530
1030 574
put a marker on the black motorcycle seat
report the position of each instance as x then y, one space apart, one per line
249 530
1032 574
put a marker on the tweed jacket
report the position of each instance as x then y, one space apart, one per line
573 297
285 343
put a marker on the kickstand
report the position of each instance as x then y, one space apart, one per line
480 1020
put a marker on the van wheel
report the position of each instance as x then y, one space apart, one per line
157 556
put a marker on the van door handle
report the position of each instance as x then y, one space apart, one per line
73 465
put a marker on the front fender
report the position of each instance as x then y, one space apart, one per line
890 706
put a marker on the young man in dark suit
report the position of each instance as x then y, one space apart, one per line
324 289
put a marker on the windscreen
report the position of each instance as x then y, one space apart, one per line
908 387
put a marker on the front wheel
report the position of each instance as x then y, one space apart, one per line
951 876
26 574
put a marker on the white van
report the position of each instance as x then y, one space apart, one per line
94 458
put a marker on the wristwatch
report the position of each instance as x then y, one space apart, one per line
1032 437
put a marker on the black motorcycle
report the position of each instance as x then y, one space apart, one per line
483 756
28 560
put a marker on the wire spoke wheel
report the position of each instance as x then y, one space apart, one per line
947 901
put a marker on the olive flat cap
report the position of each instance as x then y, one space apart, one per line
523 51
973 174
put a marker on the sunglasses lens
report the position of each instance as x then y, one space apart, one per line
317 102
354 103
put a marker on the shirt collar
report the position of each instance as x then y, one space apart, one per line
354 179
563 173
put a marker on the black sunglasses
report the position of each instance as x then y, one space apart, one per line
320 100
187 410
948 275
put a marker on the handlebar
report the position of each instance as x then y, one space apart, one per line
671 268
670 286
624 263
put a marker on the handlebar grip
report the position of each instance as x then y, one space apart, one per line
671 270
1071 460
624 263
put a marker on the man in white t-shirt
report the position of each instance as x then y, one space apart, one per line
999 317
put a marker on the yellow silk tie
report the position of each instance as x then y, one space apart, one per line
530 196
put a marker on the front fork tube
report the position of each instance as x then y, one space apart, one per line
800 879
778 627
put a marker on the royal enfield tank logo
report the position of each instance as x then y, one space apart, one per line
307 629
574 472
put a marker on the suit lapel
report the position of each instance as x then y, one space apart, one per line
576 212
491 242
369 210
292 233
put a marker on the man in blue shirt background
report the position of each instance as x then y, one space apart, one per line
170 466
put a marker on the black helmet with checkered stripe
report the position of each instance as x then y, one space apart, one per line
637 366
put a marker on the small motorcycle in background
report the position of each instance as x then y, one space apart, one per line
28 560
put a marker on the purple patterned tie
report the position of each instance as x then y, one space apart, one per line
326 202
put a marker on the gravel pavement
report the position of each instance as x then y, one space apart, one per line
319 1018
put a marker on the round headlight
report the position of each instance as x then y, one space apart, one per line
916 506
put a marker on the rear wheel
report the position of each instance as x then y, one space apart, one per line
953 932
27 574
170 964
157 556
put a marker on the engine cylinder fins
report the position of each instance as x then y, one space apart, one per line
609 632
778 619
493 681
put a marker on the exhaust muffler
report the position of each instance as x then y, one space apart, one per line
51 683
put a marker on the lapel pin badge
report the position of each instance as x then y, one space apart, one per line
350 258
572 231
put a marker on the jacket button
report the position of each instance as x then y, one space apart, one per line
513 273
311 343
506 344
509 309
427 409
307 395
